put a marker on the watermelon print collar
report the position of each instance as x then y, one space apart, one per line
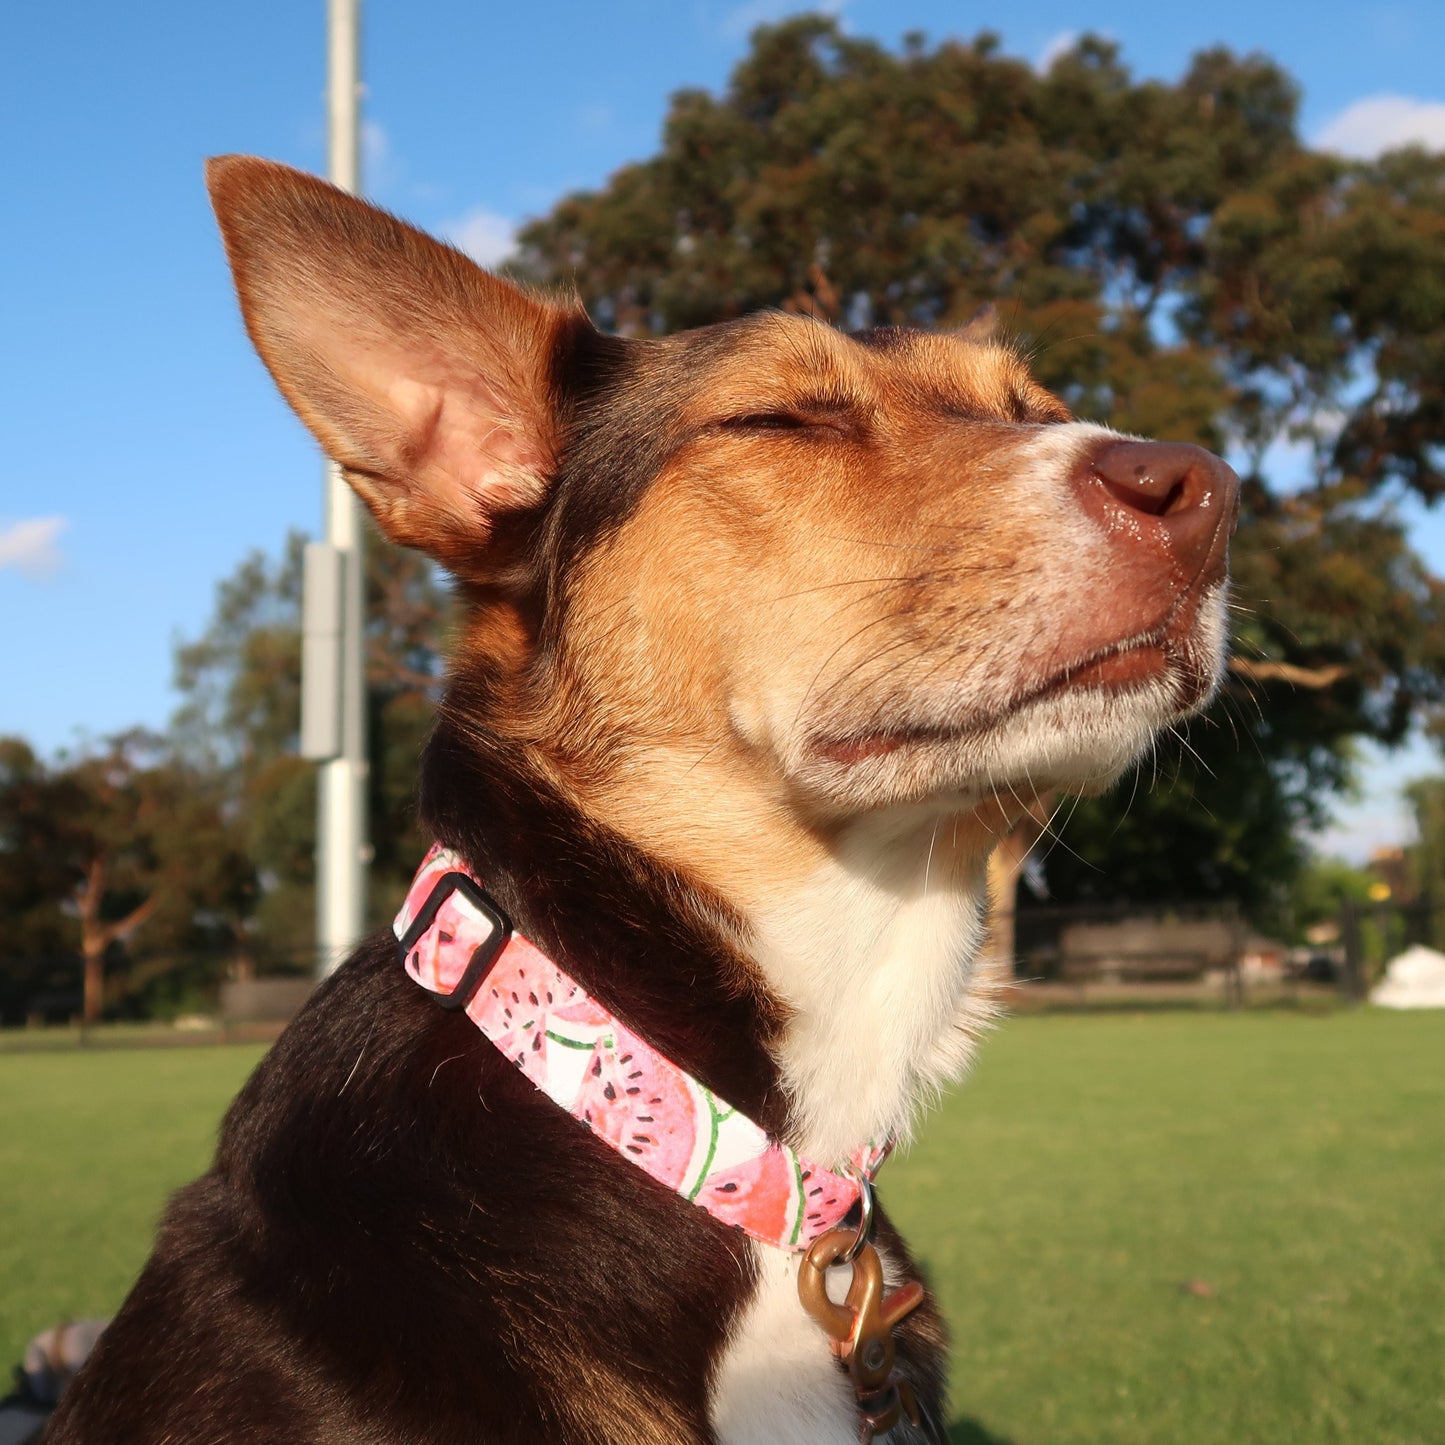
459 946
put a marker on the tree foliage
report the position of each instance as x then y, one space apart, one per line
144 855
123 839
1426 856
1175 262
241 717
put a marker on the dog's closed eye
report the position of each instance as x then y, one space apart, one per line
771 421
822 414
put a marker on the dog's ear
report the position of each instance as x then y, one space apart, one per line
428 380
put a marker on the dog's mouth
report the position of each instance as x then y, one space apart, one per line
1158 660
1167 667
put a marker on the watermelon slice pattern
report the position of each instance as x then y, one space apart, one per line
620 1087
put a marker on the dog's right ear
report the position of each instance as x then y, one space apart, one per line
428 380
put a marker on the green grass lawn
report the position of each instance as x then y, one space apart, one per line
91 1143
1093 1166
1291 1167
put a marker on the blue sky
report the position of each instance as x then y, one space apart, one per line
145 451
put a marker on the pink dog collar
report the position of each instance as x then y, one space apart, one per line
456 943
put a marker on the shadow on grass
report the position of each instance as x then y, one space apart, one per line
970 1432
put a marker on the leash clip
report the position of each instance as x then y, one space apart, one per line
860 1330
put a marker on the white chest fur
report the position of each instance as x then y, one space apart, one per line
778 1383
877 958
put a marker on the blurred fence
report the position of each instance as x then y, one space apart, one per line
1371 934
1064 956
1179 953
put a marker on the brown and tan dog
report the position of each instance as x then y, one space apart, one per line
767 630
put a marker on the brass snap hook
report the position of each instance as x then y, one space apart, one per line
861 1328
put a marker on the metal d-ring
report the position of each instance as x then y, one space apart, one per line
865 1213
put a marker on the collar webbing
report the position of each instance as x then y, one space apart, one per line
456 943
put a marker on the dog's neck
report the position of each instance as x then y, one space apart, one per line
654 946
866 936
878 957
868 933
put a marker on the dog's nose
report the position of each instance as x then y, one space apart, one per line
1191 495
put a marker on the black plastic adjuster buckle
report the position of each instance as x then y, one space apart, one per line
483 957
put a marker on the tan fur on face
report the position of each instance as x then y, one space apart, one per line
824 664
778 582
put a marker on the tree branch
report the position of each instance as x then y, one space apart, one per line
123 927
1310 677
87 898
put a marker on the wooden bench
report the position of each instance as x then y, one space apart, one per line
1152 950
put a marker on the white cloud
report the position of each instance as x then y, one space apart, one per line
595 119
382 168
29 545
484 235
1056 46
377 160
1381 122
375 143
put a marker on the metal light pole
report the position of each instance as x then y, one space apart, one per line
333 712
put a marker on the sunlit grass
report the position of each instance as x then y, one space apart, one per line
1168 1228
91 1143
1192 1228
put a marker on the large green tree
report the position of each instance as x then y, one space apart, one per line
146 856
122 840
1175 261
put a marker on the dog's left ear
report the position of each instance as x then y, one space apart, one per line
428 380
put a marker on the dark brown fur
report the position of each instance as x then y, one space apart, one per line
400 1239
